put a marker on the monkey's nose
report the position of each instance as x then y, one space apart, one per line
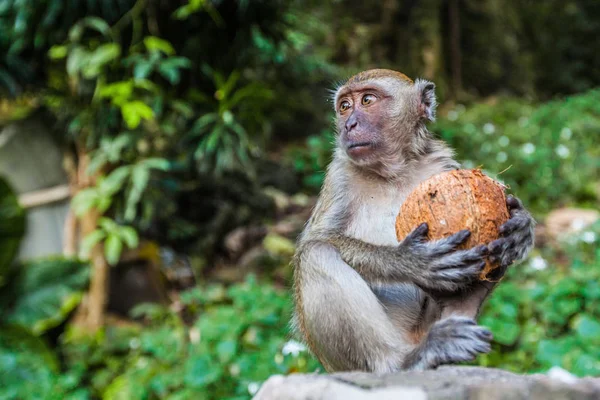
351 123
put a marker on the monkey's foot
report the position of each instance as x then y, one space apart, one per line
449 341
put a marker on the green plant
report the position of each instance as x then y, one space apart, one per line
311 160
236 338
547 154
12 228
546 312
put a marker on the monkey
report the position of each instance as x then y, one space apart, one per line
362 300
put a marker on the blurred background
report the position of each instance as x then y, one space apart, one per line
159 157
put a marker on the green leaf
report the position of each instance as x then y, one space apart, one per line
29 368
46 291
139 179
587 327
117 90
112 249
83 201
134 112
169 68
201 371
129 236
142 69
57 52
98 58
154 43
156 163
76 60
202 122
95 23
90 241
114 181
109 226
226 350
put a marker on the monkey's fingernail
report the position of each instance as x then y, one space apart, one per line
483 250
495 246
487 334
481 265
512 202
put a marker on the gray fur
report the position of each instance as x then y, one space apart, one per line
365 301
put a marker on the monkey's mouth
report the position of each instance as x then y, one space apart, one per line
359 145
359 149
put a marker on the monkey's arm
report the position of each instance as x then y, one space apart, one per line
430 264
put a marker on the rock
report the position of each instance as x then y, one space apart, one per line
445 383
567 221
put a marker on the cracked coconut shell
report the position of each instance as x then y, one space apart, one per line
456 200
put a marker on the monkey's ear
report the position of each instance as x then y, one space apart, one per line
427 101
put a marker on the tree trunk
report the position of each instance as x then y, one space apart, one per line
98 292
455 51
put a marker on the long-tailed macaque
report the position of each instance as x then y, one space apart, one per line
363 300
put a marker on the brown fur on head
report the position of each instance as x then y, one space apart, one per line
381 116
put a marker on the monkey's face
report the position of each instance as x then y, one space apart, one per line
378 114
360 121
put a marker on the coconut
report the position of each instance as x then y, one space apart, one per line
456 200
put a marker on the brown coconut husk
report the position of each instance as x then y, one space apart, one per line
456 200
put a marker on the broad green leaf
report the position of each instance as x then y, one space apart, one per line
29 367
153 43
57 52
112 249
76 60
129 236
134 112
90 241
156 163
117 90
46 291
139 179
142 69
98 58
587 328
201 371
226 350
83 201
114 181
108 225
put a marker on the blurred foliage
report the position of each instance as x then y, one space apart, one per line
221 344
44 293
549 155
176 109
546 312
12 228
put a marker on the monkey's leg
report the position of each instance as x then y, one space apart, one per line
446 341
343 321
467 302
409 308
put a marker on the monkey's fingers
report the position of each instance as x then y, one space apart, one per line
461 258
448 244
517 223
419 234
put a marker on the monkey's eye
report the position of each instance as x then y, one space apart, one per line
344 105
368 99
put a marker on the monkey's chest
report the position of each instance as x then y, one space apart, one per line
374 221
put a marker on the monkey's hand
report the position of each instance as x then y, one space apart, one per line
517 237
438 265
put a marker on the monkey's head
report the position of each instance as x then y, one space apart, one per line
381 116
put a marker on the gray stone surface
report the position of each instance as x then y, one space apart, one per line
445 383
